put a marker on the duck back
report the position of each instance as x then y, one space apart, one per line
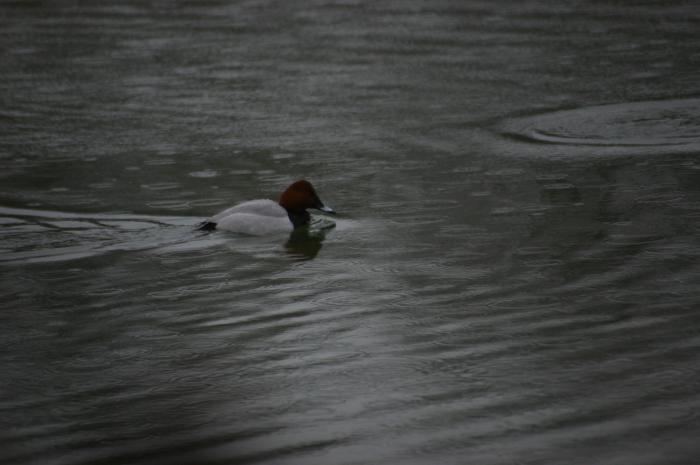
255 217
262 207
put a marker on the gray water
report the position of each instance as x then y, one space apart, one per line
513 278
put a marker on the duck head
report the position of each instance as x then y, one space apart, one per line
297 198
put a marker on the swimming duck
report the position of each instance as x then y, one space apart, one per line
263 216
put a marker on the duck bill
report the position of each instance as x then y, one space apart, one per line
326 209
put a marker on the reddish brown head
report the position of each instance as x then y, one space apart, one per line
300 196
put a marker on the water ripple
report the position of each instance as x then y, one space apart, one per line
654 127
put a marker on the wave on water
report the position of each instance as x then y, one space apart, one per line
42 236
636 128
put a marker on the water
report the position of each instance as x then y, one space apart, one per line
513 275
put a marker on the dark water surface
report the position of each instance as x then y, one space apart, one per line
514 275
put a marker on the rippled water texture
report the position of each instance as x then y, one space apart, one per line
649 128
513 275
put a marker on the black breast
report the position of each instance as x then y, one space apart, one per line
299 219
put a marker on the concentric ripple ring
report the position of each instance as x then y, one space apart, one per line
629 128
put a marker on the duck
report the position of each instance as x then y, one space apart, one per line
262 217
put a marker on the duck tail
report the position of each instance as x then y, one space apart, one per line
206 226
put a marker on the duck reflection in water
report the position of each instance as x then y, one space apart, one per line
304 243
